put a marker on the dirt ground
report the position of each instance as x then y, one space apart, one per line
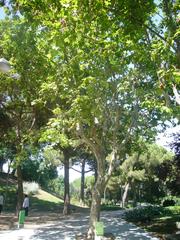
9 221
45 226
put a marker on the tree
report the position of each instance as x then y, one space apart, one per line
19 88
39 167
56 186
137 178
105 78
83 158
168 172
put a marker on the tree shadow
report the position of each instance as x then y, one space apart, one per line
68 229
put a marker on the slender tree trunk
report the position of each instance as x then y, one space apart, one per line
20 189
13 172
95 174
7 181
82 181
105 194
1 165
66 209
134 195
97 193
125 193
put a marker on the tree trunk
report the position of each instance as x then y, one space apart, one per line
82 181
66 209
105 194
7 181
134 196
95 174
20 190
13 172
1 165
125 193
97 193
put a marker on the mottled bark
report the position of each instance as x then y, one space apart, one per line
97 193
125 194
1 165
135 195
66 209
82 180
20 190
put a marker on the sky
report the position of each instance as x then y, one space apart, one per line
164 139
73 174
2 15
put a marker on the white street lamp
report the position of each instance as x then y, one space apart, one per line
4 65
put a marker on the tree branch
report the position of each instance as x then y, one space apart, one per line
80 171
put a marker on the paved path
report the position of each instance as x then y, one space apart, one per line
74 224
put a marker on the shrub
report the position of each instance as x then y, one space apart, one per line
168 202
105 207
30 188
143 214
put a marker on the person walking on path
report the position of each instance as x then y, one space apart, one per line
1 202
26 204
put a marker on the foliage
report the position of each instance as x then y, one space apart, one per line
101 72
105 207
56 186
140 171
34 168
9 193
76 186
171 200
168 202
145 214
173 210
168 172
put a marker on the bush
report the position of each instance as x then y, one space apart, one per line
168 202
105 207
30 188
143 214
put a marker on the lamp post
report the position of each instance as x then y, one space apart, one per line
5 66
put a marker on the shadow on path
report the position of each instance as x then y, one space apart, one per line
68 228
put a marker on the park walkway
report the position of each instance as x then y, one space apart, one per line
68 228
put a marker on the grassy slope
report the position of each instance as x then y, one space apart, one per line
42 201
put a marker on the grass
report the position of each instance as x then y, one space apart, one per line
164 224
42 201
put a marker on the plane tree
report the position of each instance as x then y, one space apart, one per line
105 79
19 90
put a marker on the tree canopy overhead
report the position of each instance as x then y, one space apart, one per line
102 72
